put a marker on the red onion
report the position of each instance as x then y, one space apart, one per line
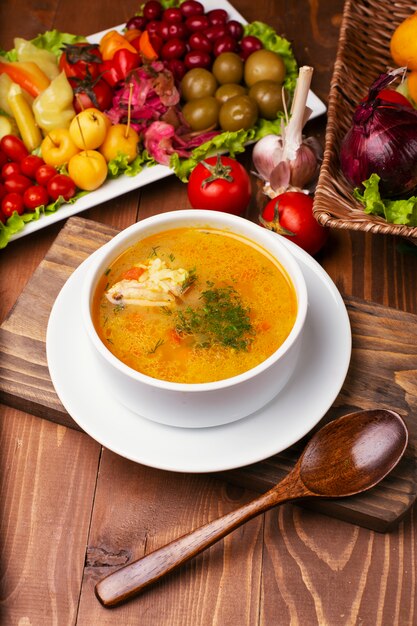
382 141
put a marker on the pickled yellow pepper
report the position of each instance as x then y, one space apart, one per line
25 120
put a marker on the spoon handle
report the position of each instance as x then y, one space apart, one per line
133 578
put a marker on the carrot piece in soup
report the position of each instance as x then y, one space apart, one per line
133 273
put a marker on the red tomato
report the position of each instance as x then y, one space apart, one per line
35 196
89 93
61 185
3 158
30 164
10 169
12 202
291 215
13 147
219 184
44 174
81 59
18 183
2 191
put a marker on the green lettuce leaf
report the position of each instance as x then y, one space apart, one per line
16 223
402 211
231 142
120 165
51 40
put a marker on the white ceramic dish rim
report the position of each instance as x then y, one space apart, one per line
200 218
123 184
286 419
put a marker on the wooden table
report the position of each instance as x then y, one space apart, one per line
71 511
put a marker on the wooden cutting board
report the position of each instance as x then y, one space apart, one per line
382 373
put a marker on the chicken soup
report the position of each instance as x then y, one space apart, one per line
194 305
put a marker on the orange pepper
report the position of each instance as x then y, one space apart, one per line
26 74
131 34
111 42
146 47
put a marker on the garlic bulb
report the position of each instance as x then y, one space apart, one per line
289 161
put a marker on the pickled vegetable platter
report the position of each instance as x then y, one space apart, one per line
153 164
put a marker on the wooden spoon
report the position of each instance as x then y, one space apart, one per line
345 457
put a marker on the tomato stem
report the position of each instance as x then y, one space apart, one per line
219 170
274 224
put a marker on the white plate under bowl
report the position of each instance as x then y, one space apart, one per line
317 380
123 184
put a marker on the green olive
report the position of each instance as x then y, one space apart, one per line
229 90
228 68
202 113
264 65
197 83
268 96
238 113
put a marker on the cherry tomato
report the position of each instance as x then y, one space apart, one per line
35 196
176 30
198 41
224 44
10 169
177 67
214 32
30 164
217 16
219 184
291 215
13 147
191 7
249 44
3 158
18 183
80 60
153 27
88 94
44 174
197 58
61 185
235 29
197 22
2 191
172 15
173 49
152 10
137 22
12 202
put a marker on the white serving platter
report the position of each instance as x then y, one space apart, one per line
123 184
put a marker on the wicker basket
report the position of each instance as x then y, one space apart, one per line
362 55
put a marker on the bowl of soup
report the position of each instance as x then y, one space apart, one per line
195 318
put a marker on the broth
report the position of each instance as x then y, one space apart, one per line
193 305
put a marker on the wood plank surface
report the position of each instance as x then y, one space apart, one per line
379 333
290 567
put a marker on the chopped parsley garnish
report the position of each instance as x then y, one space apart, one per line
221 319
153 252
156 346
190 280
